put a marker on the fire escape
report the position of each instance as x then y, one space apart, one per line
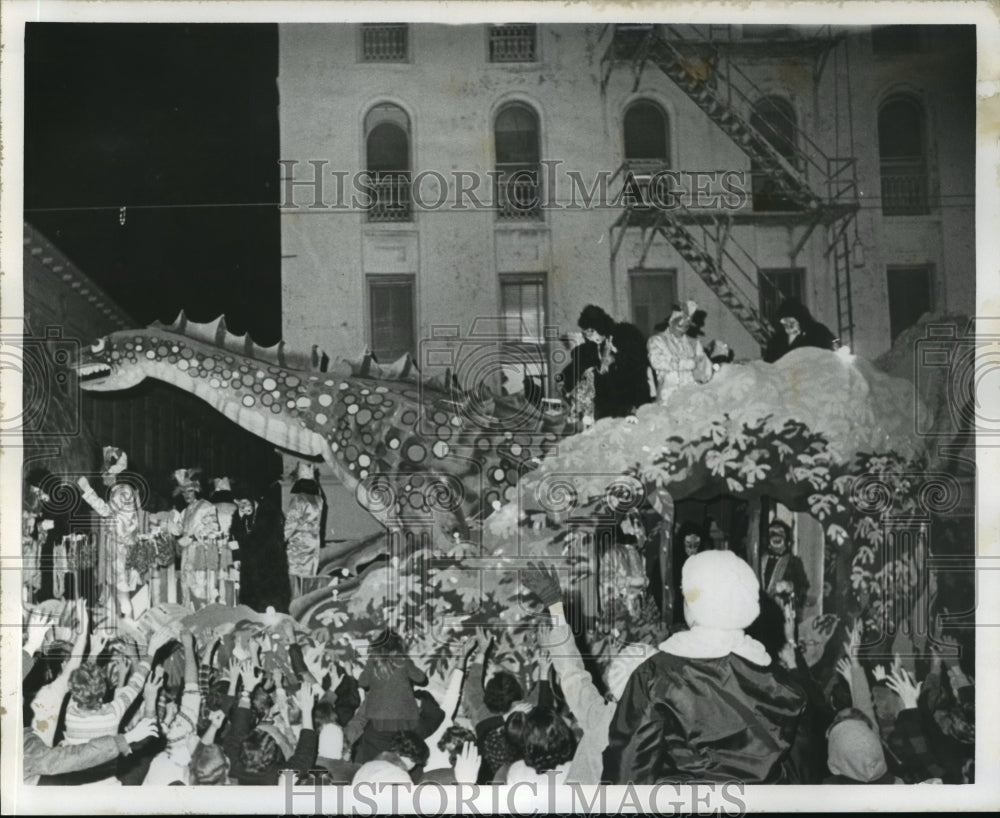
814 189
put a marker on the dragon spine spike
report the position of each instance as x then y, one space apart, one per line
216 333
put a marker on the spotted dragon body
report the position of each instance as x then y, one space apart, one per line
413 450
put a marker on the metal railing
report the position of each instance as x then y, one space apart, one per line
728 85
392 201
385 42
518 193
711 236
905 187
513 43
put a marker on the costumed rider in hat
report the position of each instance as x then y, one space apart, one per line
225 507
302 525
676 353
197 530
119 533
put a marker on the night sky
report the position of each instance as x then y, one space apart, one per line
160 118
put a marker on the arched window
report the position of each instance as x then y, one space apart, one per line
518 153
387 158
647 139
902 152
774 119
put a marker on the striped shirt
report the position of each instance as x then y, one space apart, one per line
84 725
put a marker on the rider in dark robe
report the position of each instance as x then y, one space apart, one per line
623 379
259 529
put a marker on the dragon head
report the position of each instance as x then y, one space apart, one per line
111 363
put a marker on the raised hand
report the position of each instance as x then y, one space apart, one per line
146 728
215 718
251 675
543 582
98 641
957 678
467 764
158 640
305 696
844 669
903 685
153 684
879 673
233 670
483 640
39 624
853 640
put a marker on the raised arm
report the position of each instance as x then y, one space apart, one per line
850 668
473 693
91 498
449 704
582 696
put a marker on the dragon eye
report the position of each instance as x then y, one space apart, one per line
98 346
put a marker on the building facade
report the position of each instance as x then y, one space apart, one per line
856 188
442 187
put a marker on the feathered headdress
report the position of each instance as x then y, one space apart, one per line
115 460
187 479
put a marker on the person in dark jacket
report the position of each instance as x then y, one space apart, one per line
622 380
794 327
708 706
577 379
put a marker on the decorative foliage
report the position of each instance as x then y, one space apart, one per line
441 596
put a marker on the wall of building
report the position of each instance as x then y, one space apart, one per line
451 93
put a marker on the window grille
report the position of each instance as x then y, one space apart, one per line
513 43
384 42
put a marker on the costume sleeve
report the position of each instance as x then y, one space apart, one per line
702 364
475 707
861 693
582 697
40 759
191 703
800 582
126 695
96 503
581 358
777 346
356 726
659 355
415 674
239 729
305 753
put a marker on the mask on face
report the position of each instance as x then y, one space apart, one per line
776 542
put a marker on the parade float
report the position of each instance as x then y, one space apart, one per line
472 489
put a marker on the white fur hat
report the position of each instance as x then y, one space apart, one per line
720 591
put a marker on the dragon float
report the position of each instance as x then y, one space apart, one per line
471 487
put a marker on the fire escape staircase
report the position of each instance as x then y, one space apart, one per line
709 76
